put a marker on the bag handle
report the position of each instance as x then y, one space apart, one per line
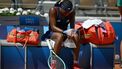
84 33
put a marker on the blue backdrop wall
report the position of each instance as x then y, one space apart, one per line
13 58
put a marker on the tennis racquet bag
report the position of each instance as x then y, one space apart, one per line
104 34
28 37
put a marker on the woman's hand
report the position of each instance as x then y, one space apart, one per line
70 33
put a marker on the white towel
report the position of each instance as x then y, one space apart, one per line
69 43
90 22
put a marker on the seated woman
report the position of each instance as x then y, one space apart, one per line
60 16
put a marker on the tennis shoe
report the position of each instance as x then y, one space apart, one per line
53 64
76 66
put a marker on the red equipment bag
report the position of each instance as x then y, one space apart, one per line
97 35
83 36
28 37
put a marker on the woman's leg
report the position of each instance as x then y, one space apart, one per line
120 11
58 38
121 54
76 50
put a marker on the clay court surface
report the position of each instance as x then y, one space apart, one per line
117 66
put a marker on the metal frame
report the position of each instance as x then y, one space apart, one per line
99 8
40 6
15 3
